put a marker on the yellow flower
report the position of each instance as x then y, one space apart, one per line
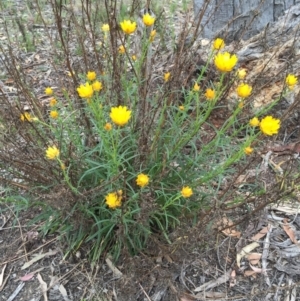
167 76
241 73
142 180
291 80
181 108
108 126
120 115
85 91
63 166
91 75
218 44
269 125
148 20
48 91
196 88
243 90
225 62
113 199
133 57
186 191
152 35
240 104
26 117
210 94
121 49
52 102
52 152
105 27
128 27
248 150
53 114
97 86
254 122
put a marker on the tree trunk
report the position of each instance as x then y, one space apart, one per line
239 19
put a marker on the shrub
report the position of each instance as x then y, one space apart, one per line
125 151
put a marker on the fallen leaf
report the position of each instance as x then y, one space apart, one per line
187 297
37 258
254 258
214 295
232 281
258 270
290 231
63 291
261 233
29 276
213 283
43 285
245 251
229 231
115 270
250 273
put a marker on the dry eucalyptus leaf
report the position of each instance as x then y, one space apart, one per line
258 270
37 258
261 233
230 231
245 251
250 273
290 231
43 286
254 258
232 281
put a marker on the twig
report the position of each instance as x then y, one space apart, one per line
265 254
145 293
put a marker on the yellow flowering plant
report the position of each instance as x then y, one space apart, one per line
130 145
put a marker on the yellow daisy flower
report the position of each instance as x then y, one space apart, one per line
121 49
97 86
128 27
210 94
108 126
91 75
269 125
152 35
218 44
52 152
54 114
243 90
254 122
120 115
85 91
167 76
105 27
52 102
26 117
248 150
48 91
148 20
186 191
196 88
241 73
113 200
142 180
225 62
291 80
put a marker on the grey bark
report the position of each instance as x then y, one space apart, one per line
239 19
